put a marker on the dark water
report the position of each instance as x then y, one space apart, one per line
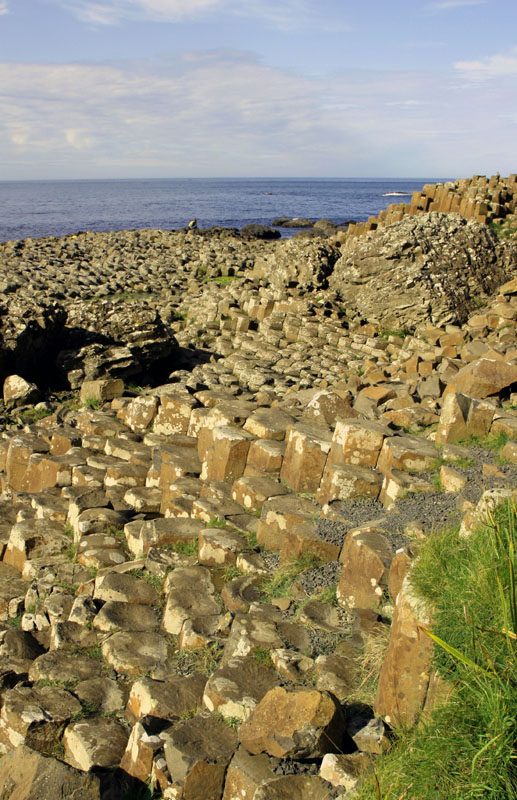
55 208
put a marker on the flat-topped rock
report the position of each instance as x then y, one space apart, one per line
95 742
300 724
235 688
134 653
171 699
24 771
197 753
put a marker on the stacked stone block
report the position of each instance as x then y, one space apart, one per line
482 199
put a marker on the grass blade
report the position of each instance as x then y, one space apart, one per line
456 654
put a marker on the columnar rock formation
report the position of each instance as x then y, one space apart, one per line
479 198
194 569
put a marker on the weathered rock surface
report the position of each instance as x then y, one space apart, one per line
429 268
302 724
228 541
28 775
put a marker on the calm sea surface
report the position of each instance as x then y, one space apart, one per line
55 208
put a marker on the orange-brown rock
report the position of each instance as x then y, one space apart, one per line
366 557
303 539
174 412
245 774
265 457
485 377
24 772
225 459
307 447
297 724
279 515
198 752
357 441
346 481
139 755
408 453
406 669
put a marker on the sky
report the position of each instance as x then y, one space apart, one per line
257 88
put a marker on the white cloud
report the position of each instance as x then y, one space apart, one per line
77 139
226 113
111 12
404 103
286 15
445 5
497 66
4 9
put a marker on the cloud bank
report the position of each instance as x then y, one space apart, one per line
226 113
446 5
111 12
493 67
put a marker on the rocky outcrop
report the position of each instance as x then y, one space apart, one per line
29 330
115 338
433 268
296 262
486 200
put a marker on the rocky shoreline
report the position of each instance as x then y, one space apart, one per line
219 453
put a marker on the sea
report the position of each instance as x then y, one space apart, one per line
56 208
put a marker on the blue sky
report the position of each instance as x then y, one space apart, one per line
326 88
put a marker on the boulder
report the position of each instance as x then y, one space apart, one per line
197 753
245 774
428 268
95 742
484 377
304 263
236 687
299 724
293 787
406 670
24 773
19 392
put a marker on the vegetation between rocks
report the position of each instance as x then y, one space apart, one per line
466 748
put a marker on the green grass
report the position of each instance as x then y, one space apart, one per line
493 442
401 333
504 230
94 652
251 538
232 572
461 463
281 582
215 522
263 656
145 575
71 551
185 548
34 414
201 659
91 402
437 482
327 595
87 710
466 749
225 280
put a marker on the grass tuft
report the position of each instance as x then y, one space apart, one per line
280 583
466 749
91 402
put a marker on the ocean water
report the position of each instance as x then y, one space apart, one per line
55 208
